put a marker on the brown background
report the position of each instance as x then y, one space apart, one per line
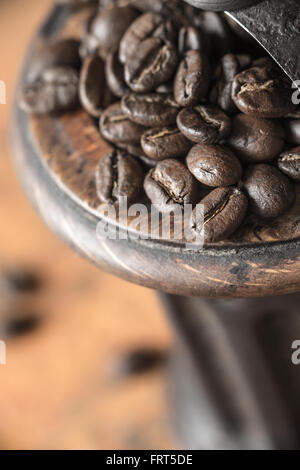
58 390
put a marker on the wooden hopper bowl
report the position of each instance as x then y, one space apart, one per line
227 375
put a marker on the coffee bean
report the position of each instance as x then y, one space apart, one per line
106 30
214 165
169 183
289 163
270 192
166 142
14 325
55 91
118 175
150 110
229 67
254 139
292 131
59 53
115 75
224 212
192 79
204 124
75 3
93 93
166 88
139 361
19 281
117 128
149 25
189 38
154 63
262 91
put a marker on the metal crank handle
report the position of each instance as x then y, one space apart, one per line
274 24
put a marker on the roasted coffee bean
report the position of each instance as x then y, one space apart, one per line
13 325
189 39
115 76
137 362
230 66
214 165
19 281
149 25
165 142
192 79
75 2
55 91
289 163
153 64
59 53
150 110
269 191
224 212
117 128
204 124
263 91
254 139
118 175
106 30
93 92
169 183
292 131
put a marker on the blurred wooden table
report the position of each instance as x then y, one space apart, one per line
56 390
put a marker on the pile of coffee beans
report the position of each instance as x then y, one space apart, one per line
194 111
